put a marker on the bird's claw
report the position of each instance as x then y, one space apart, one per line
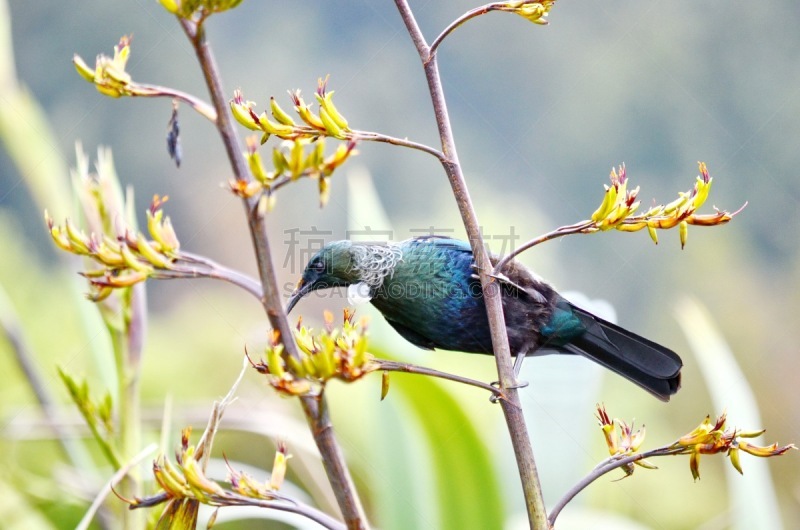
516 384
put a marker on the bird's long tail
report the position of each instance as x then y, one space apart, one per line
649 365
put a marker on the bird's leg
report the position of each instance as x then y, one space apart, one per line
517 367
517 383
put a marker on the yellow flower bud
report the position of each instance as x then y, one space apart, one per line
683 231
170 5
132 262
149 253
733 453
257 167
295 366
609 200
83 69
279 467
78 241
304 111
653 234
384 385
331 126
326 103
275 362
242 112
279 114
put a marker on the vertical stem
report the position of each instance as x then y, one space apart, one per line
127 343
512 407
314 407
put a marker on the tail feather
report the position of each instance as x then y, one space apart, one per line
649 365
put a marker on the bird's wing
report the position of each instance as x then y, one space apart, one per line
444 241
525 284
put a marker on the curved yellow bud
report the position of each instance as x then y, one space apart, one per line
733 453
83 69
653 234
149 253
60 239
279 161
270 127
279 114
296 159
309 117
79 243
309 366
326 103
703 188
275 362
241 113
170 5
257 167
677 203
133 262
609 200
295 366
683 230
331 127
384 385
279 468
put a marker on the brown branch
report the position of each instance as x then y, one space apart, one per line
558 232
472 13
314 408
394 366
403 142
607 465
196 266
512 408
155 91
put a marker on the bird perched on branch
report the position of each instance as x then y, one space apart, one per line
428 290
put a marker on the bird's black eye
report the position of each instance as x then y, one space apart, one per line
317 266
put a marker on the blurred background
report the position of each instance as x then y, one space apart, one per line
540 115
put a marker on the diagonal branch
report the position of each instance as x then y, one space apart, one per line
607 465
558 232
394 366
154 91
315 408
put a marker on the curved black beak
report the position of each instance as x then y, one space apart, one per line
300 291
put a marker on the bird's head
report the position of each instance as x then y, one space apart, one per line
332 266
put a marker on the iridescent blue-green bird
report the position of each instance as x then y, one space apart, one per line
428 290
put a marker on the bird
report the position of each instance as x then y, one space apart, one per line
427 288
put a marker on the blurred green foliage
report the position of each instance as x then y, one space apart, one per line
540 116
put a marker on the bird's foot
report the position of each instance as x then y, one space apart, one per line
497 397
502 278
475 275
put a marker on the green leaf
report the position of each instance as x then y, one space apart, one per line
466 485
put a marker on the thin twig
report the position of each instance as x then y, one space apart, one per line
512 407
394 366
403 142
472 13
558 232
203 451
154 91
113 481
315 410
601 469
195 266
